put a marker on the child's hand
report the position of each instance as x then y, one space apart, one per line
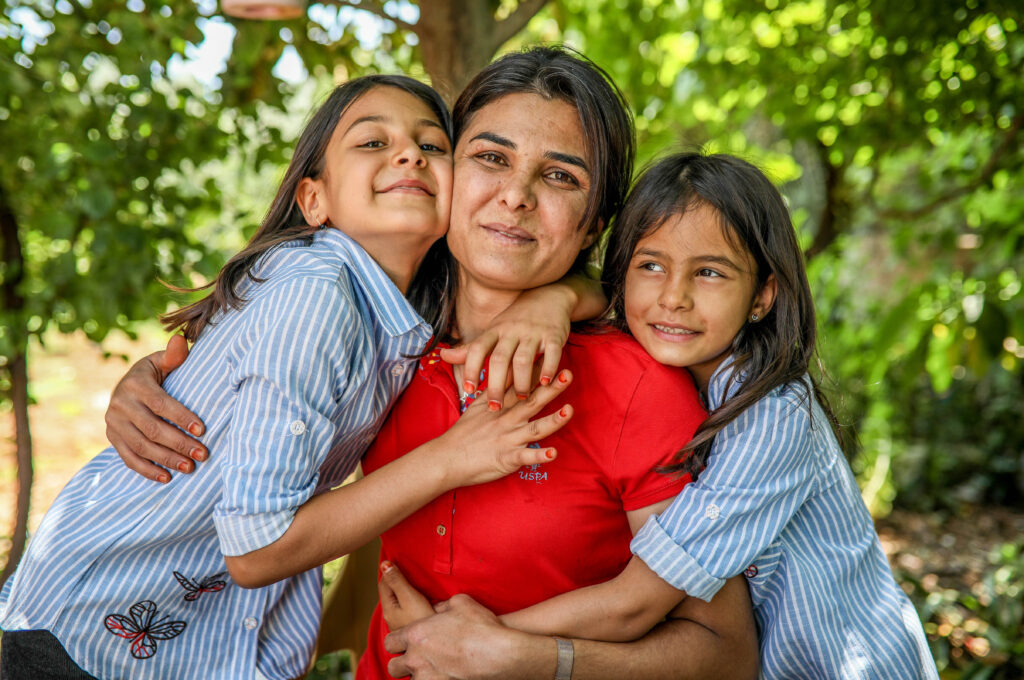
485 444
536 323
400 603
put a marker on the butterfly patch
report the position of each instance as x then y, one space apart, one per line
194 588
140 628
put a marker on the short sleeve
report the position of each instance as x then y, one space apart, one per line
662 416
301 334
762 468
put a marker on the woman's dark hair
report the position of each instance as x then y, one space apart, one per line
551 72
776 350
284 220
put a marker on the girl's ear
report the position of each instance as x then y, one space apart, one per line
307 195
764 299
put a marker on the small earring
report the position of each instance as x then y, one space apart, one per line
754 318
324 224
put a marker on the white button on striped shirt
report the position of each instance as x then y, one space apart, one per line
129 574
778 503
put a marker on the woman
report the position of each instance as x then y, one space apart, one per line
542 161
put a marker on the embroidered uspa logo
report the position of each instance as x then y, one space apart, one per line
195 587
533 473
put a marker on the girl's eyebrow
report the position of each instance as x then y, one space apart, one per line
704 259
422 122
550 155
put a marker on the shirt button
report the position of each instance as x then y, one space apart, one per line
297 427
712 512
750 571
397 370
441 530
250 623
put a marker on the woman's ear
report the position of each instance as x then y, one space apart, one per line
765 298
307 195
593 234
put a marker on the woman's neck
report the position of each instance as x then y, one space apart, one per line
476 305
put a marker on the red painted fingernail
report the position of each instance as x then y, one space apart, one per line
197 454
521 397
494 405
549 454
563 377
184 467
545 380
386 566
564 411
468 387
163 479
195 428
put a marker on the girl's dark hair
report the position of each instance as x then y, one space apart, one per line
553 72
776 350
284 221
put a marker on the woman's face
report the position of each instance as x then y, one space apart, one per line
522 177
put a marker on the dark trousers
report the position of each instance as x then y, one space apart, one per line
36 655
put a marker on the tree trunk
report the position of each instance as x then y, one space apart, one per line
14 304
460 37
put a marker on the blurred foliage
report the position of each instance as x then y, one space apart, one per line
979 634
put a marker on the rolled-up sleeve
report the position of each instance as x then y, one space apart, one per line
762 467
287 382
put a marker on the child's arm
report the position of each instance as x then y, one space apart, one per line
536 323
481 446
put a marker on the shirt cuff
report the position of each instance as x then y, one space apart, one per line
242 534
667 559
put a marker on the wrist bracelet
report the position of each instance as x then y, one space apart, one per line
563 668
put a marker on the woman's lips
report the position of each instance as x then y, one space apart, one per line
509 233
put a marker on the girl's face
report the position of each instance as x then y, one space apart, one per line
523 177
689 291
387 178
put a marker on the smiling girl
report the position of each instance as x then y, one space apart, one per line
300 351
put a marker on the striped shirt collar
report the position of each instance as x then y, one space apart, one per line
720 387
390 307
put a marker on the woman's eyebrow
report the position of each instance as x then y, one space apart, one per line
497 139
566 158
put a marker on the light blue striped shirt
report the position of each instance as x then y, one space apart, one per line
778 503
129 575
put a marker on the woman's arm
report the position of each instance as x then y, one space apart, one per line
467 641
482 446
536 323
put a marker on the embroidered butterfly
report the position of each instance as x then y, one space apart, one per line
210 584
141 629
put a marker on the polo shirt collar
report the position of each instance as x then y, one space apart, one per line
721 386
392 310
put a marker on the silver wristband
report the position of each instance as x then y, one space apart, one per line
563 668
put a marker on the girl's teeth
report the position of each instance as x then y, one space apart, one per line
674 331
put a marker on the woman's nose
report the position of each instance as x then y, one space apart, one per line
516 192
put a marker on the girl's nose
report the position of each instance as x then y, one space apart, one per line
411 154
674 295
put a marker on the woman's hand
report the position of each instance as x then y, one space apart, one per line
536 323
486 444
137 413
400 603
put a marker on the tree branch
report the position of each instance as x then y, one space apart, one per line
828 224
375 7
515 22
983 178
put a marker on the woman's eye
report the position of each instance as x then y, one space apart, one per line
563 177
491 158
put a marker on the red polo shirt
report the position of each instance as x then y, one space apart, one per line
549 528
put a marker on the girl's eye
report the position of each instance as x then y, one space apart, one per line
710 273
651 267
431 148
372 144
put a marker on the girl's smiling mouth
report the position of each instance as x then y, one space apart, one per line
673 333
408 186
